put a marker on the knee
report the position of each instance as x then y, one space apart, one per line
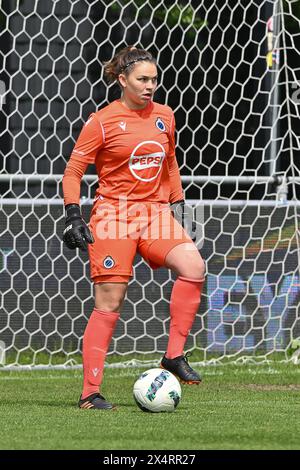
197 269
109 305
109 300
193 268
201 268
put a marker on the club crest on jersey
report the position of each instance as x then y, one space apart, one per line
108 262
146 160
160 124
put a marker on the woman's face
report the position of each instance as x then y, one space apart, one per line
139 86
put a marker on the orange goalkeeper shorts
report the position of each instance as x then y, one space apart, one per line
123 228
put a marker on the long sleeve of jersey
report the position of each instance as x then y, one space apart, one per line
89 142
176 192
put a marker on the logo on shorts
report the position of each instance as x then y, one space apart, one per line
108 262
146 160
160 124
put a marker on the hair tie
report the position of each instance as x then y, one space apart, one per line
134 61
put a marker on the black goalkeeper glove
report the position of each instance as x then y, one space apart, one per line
76 234
184 215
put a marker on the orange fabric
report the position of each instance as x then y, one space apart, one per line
96 341
134 154
176 192
74 171
120 229
111 278
185 301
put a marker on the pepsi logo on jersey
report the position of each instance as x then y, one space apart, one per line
146 160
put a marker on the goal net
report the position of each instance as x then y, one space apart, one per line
231 72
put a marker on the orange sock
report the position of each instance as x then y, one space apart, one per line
185 301
96 341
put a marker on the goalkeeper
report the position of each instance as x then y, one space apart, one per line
131 142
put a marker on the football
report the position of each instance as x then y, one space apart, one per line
157 390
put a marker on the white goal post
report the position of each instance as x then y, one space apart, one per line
231 72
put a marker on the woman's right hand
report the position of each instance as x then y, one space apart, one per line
76 234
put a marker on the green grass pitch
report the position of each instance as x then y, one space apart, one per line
236 407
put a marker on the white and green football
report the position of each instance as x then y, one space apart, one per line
157 390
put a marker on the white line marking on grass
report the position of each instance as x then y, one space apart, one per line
136 371
40 377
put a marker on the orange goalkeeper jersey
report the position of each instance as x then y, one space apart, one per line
134 154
